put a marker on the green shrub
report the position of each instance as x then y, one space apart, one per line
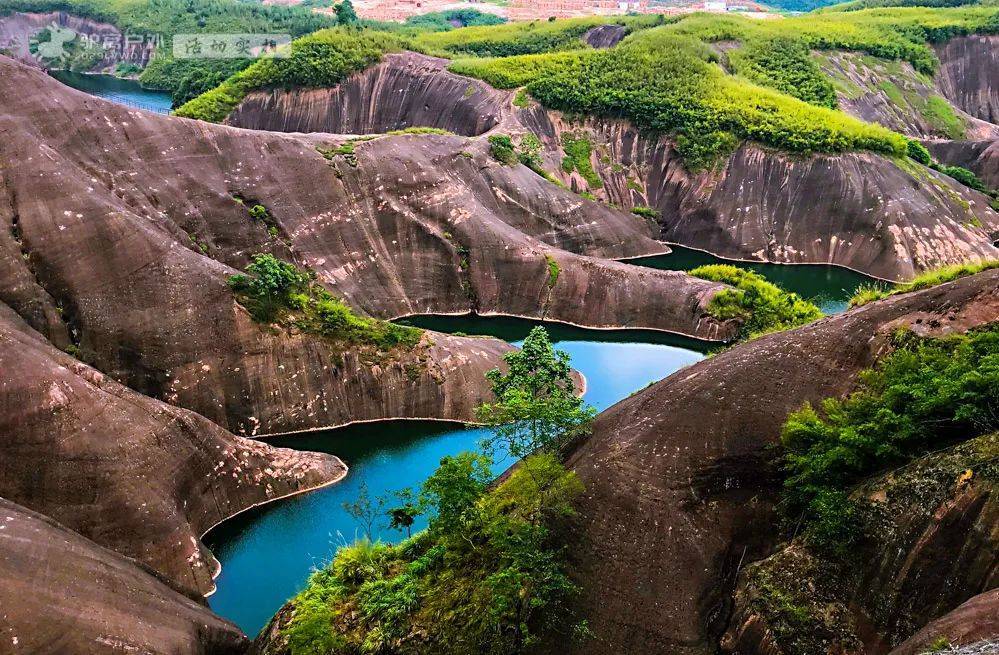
940 115
962 175
278 292
925 395
502 149
420 130
645 212
442 21
522 99
918 152
761 306
553 270
577 158
518 38
870 293
487 575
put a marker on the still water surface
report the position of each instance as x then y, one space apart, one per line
115 89
829 287
267 553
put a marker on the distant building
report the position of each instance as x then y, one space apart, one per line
534 9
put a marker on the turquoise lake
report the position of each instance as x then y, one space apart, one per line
115 89
268 553
829 287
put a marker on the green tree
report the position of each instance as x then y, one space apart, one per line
365 510
345 14
536 408
451 492
404 514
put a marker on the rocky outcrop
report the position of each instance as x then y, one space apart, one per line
885 218
931 531
969 74
62 593
980 157
678 477
130 264
405 90
605 36
893 94
131 473
971 624
17 30
859 210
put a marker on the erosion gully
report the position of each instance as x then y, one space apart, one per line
267 553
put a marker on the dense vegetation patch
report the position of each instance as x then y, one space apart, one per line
872 292
667 79
784 64
322 59
577 158
669 83
278 292
442 21
522 38
925 395
761 306
487 575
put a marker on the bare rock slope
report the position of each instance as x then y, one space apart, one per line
973 623
62 593
895 95
128 263
877 216
131 473
404 90
969 74
890 219
676 476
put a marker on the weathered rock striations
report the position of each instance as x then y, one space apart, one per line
931 542
17 30
889 219
130 263
859 210
404 90
893 94
678 476
131 473
62 593
969 74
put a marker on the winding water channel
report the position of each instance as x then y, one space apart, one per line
268 552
